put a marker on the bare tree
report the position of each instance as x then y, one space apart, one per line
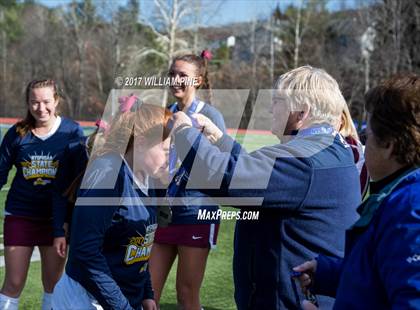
81 19
298 34
3 58
169 17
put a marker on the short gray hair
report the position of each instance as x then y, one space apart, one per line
315 88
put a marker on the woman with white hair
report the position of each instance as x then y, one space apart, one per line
308 186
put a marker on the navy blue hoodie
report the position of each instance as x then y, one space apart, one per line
112 236
309 190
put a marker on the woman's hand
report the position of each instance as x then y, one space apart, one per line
149 304
307 270
60 246
306 305
181 120
210 130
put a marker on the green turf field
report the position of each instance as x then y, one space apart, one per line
217 289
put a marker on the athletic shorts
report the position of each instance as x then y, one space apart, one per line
193 235
26 231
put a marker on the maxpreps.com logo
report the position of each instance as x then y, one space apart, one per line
139 247
40 167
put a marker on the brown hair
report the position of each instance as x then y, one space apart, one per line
148 122
28 123
394 108
201 63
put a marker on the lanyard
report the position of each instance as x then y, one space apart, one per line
322 129
317 130
173 157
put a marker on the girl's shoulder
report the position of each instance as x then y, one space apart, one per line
11 135
210 110
214 115
12 131
103 172
68 123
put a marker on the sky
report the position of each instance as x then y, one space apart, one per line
230 10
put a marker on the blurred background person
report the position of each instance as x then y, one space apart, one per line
349 132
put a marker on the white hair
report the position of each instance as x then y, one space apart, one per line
314 88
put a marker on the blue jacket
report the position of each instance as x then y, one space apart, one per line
37 163
309 190
112 236
187 214
381 268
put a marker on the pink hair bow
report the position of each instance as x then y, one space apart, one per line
206 54
127 102
101 124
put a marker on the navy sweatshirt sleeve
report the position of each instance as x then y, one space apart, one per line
74 159
148 289
327 275
255 175
7 154
225 143
74 162
87 241
59 206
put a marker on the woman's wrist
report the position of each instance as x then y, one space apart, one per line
215 137
181 128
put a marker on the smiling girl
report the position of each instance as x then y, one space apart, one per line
34 146
186 237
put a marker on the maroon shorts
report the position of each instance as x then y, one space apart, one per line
26 231
193 235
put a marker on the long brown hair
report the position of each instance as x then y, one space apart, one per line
148 122
201 64
28 123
